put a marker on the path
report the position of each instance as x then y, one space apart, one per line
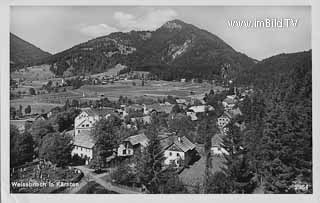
90 176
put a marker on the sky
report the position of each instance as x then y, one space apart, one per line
56 28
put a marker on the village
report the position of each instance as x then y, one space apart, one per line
192 155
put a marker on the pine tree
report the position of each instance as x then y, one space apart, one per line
150 170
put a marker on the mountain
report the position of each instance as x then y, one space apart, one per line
272 69
174 50
23 52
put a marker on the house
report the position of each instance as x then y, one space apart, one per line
217 146
178 150
144 119
181 101
192 115
229 103
22 125
88 117
235 112
157 108
83 145
201 108
224 119
132 144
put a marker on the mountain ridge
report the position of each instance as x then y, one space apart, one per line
186 49
23 52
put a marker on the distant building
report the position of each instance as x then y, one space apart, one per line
21 124
224 120
88 117
144 119
157 108
132 144
229 103
192 111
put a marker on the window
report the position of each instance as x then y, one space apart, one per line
170 153
87 125
124 151
78 131
178 154
83 126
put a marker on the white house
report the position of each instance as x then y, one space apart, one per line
83 145
179 150
229 102
192 111
224 120
132 144
88 117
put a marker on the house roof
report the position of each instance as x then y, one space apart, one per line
70 132
229 100
160 107
235 112
98 111
84 139
145 119
184 143
217 140
138 139
181 101
201 108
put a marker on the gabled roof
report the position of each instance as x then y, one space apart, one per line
229 100
98 111
225 115
145 119
201 108
181 101
183 143
160 107
235 112
84 139
138 139
217 140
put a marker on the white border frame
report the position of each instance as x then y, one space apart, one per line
4 111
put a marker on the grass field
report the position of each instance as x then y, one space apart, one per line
38 75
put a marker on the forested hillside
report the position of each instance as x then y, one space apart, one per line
274 153
175 50
24 53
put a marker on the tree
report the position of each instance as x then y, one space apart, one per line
106 134
75 103
13 113
124 175
32 91
27 110
14 133
181 125
176 109
174 185
219 183
39 129
21 147
150 171
56 147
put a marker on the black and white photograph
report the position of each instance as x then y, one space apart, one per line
163 99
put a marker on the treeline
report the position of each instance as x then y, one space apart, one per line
172 72
274 153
